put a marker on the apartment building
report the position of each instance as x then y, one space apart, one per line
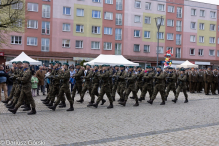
76 30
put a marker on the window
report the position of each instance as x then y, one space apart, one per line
46 28
147 20
107 46
66 43
96 1
118 4
161 35
138 4
170 22
108 15
211 52
200 52
136 48
118 19
169 36
78 44
32 24
136 33
170 48
179 12
16 40
137 19
79 28
178 25
212 40
118 33
171 9
96 29
160 50
178 39
202 13
147 34
95 45
31 41
192 51
66 11
80 12
109 1
162 21
193 12
108 30
217 53
47 0
213 14
218 41
17 23
160 7
44 45
147 48
32 7
192 38
46 11
96 14
18 6
66 27
201 39
178 52
193 25
118 49
201 26
147 6
212 27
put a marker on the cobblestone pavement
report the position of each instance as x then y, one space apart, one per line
195 123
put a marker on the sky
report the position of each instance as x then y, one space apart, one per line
208 1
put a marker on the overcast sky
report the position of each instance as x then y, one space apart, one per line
208 1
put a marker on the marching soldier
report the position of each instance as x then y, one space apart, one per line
159 86
64 76
200 80
116 72
130 86
193 80
181 86
121 83
139 82
147 83
87 85
171 82
214 82
208 76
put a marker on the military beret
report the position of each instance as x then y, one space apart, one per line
51 62
26 62
88 65
14 62
66 64
107 65
96 65
138 66
182 69
209 66
121 66
104 65
170 68
131 66
116 66
158 67
77 64
19 62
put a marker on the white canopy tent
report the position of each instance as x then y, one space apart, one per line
24 57
111 60
187 64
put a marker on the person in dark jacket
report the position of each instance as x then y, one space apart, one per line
9 81
3 80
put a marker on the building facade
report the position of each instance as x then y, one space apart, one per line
76 30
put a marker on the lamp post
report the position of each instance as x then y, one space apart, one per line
158 21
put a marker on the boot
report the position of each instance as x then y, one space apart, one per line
123 103
132 97
175 100
14 110
71 107
50 104
11 107
150 101
24 106
8 104
186 101
53 107
113 97
32 112
136 104
81 100
63 105
90 104
110 106
27 108
44 99
165 98
103 101
46 102
95 105
140 99
162 103
6 101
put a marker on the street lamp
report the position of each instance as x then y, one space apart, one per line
158 21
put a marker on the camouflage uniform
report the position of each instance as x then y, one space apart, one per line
171 83
139 82
95 85
214 82
78 82
193 81
121 85
200 81
208 76
115 83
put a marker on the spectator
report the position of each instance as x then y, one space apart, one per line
40 74
34 82
9 81
47 79
3 79
72 80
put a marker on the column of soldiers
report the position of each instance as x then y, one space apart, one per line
104 79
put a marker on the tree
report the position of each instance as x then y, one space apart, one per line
12 18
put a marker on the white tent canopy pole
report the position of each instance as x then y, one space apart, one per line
111 60
24 57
